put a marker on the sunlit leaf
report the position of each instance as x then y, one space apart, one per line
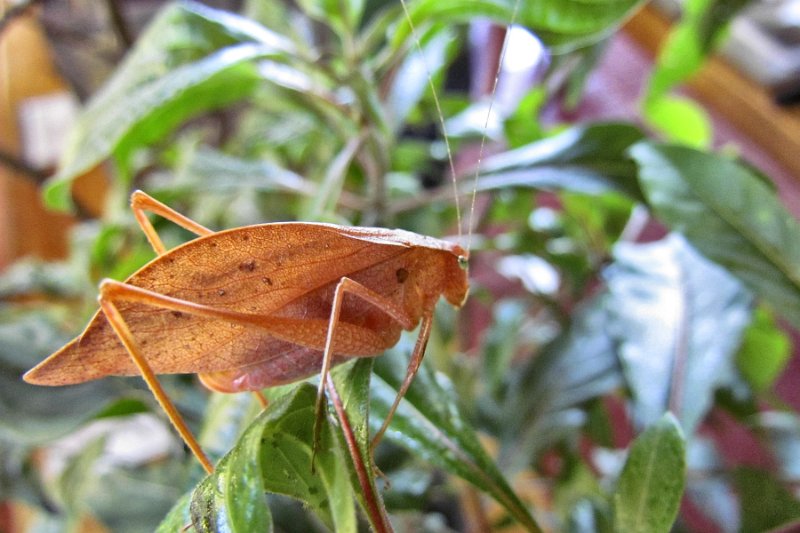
677 320
730 216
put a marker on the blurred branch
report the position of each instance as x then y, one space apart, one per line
119 23
15 11
18 165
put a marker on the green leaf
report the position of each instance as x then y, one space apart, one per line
680 120
411 81
178 517
151 110
729 215
765 502
589 159
764 352
649 489
701 28
562 24
579 365
429 425
353 383
274 455
190 59
342 16
677 320
523 126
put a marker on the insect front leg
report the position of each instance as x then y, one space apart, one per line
122 330
142 202
413 366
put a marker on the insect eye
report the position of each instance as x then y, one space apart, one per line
463 262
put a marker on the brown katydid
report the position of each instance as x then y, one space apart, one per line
261 305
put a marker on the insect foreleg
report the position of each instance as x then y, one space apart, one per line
142 202
122 330
413 367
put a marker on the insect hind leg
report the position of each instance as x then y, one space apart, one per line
142 202
120 327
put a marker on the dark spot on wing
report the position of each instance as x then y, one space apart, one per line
177 314
266 281
402 275
248 266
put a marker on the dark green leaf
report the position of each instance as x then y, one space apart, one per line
429 425
765 502
677 320
353 382
730 216
650 487
178 517
589 159
576 367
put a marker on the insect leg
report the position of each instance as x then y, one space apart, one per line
413 367
379 301
126 337
141 202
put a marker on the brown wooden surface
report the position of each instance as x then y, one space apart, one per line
26 70
26 227
748 107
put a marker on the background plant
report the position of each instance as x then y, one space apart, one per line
533 391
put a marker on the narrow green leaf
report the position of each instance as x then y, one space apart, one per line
353 383
151 110
729 215
589 159
429 425
410 82
189 59
562 24
233 497
677 320
701 28
651 484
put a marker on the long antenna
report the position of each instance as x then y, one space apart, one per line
503 49
441 116
471 220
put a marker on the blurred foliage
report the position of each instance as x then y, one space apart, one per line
579 341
